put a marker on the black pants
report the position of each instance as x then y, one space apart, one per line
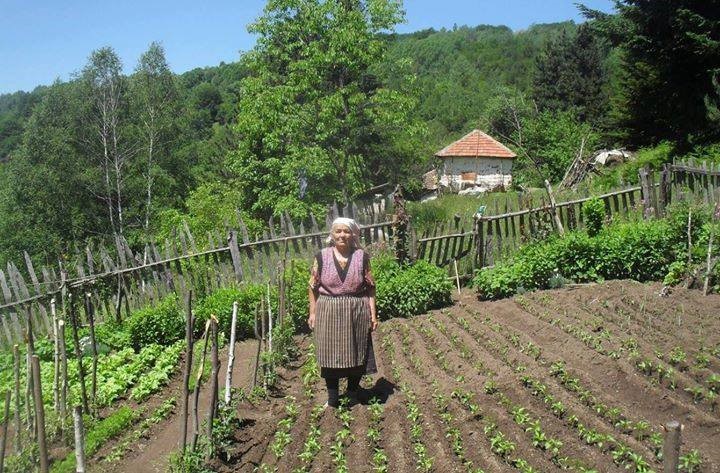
334 383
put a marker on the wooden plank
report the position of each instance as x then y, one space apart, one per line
90 260
190 237
7 295
31 273
120 252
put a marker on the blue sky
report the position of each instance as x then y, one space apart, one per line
44 40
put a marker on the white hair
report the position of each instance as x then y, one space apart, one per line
351 224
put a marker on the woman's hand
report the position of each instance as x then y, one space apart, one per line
373 323
311 321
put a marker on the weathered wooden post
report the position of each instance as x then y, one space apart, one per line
189 327
90 313
231 354
196 391
400 223
647 192
78 354
29 378
212 408
671 446
63 374
79 440
270 319
259 347
56 357
665 189
6 421
553 209
40 415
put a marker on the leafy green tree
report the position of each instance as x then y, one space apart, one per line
312 113
570 75
670 51
154 96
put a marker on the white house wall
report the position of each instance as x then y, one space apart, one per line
490 172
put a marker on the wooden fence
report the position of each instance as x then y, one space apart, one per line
120 280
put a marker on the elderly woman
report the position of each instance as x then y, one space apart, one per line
342 310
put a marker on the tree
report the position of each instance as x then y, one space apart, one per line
569 75
312 112
104 87
154 94
670 51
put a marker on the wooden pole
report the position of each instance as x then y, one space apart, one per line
553 209
6 421
79 440
16 367
90 313
457 276
706 283
671 446
212 408
40 415
56 357
259 347
189 326
78 354
196 391
29 378
63 374
270 319
689 250
231 355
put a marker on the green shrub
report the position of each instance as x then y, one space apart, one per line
641 251
220 303
410 290
594 215
296 279
163 324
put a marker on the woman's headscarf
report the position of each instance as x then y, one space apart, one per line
352 225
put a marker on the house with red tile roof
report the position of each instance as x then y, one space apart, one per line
475 161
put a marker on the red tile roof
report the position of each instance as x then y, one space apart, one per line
476 144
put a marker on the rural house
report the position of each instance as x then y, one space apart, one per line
475 163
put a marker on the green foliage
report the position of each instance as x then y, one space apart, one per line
570 75
641 251
593 215
152 381
410 290
163 323
296 282
669 58
220 304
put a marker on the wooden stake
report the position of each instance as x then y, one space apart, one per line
553 209
189 322
259 347
63 374
706 283
457 276
689 239
212 408
56 356
231 354
6 421
79 440
29 378
78 354
671 446
270 319
196 391
90 313
40 415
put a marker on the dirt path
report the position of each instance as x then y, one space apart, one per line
151 454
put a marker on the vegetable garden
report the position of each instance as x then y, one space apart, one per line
541 382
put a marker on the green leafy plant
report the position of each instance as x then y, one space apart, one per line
593 215
163 323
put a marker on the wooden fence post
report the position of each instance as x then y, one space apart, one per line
90 314
671 446
647 192
212 408
196 391
79 440
480 242
6 421
56 357
40 415
231 354
665 189
553 209
78 354
189 327
62 411
235 255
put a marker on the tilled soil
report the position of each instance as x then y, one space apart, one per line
545 381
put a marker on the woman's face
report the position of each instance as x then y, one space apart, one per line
342 236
